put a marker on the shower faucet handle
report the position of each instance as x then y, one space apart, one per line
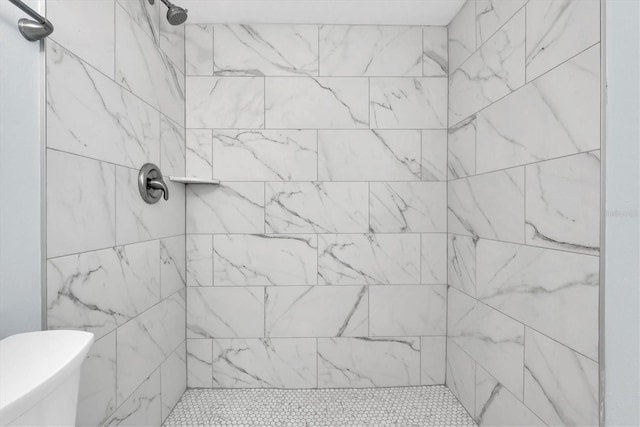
158 184
151 185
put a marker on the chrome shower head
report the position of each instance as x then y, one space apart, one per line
175 15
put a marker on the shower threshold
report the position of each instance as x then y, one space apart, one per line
390 406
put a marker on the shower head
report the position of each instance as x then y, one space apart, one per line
175 15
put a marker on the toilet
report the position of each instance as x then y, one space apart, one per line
40 377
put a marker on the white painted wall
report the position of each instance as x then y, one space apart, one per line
622 222
20 174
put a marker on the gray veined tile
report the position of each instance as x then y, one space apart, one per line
401 103
434 155
265 50
408 207
462 263
432 360
367 50
435 52
199 363
368 362
312 103
434 259
316 311
461 149
359 259
558 30
563 203
172 148
172 42
199 154
461 374
173 379
172 265
462 35
492 14
145 15
143 407
265 259
198 39
199 259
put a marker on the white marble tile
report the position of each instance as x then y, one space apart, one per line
233 207
172 265
199 153
172 43
225 102
433 351
563 203
368 155
405 310
198 49
199 254
146 341
434 155
462 263
462 35
460 376
79 218
434 259
489 206
173 379
461 161
561 386
316 311
435 52
137 220
264 363
267 155
368 362
265 259
86 29
401 103
265 50
494 340
312 103
493 71
496 406
199 363
542 120
367 50
493 14
90 115
142 408
99 291
360 259
172 148
308 207
554 292
145 15
558 30
97 393
408 207
225 312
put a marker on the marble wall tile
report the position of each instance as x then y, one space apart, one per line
461 161
225 312
496 406
265 259
271 363
493 14
401 103
225 102
143 407
233 207
172 265
265 50
374 155
173 379
137 220
554 292
489 206
368 362
434 259
462 35
367 50
558 30
267 155
145 15
172 148
172 43
198 49
97 393
460 376
408 207
199 153
99 291
402 310
199 254
308 207
494 340
434 155
563 203
432 360
542 121
316 103
316 311
462 263
561 386
73 204
360 259
493 71
435 52
199 363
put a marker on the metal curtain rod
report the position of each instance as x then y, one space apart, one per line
32 30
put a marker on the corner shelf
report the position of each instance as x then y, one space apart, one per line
189 180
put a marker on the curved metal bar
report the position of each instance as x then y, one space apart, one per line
33 30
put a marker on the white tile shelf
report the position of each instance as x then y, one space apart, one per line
190 180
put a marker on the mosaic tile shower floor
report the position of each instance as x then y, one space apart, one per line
394 406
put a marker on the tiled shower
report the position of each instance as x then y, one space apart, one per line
399 206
